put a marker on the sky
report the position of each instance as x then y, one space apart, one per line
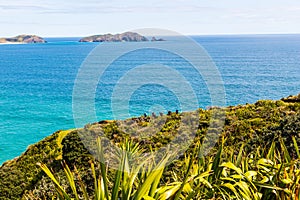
67 18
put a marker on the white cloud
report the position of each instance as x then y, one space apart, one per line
190 16
92 6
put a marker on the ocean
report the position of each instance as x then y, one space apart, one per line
36 81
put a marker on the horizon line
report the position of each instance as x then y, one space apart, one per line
216 34
194 34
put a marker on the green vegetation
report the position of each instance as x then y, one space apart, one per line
22 174
264 174
258 158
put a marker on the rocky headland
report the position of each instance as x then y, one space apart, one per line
23 39
122 37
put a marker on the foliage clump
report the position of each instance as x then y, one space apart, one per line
258 152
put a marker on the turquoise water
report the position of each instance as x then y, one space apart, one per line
36 81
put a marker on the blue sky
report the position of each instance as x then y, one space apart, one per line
191 17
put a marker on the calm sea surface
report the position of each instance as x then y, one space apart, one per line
36 81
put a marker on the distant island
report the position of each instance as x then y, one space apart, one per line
23 39
121 37
157 40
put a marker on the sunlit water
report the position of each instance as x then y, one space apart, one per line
36 81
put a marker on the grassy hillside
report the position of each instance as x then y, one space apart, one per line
264 125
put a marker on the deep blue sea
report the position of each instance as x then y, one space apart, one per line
36 81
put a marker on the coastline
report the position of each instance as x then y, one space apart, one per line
6 43
250 126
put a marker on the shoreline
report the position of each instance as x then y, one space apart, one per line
5 43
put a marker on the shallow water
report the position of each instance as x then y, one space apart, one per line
36 81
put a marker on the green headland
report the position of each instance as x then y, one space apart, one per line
256 156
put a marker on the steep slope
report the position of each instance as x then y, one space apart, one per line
252 124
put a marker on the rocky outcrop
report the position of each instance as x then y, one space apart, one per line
123 37
157 40
23 39
292 99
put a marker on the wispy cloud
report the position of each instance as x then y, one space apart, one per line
263 15
91 7
11 22
114 15
20 7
